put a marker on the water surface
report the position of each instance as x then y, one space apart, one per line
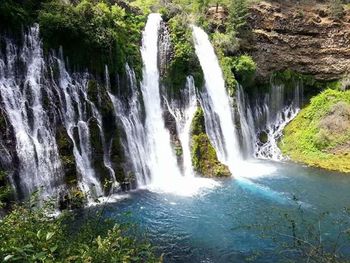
226 223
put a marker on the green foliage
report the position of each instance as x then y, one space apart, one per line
15 13
319 134
337 9
311 86
93 34
244 69
6 192
226 42
238 11
184 61
204 158
145 5
227 65
29 235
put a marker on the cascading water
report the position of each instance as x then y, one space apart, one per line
36 148
74 113
184 116
216 103
159 155
37 96
268 119
131 120
219 120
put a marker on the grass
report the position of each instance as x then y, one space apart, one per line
319 135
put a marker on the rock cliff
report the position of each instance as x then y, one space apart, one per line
305 38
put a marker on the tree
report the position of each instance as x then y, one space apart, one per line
238 14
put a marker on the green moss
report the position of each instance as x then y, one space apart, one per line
118 157
204 158
65 149
320 134
74 198
198 122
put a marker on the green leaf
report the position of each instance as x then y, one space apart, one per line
53 249
8 257
38 234
49 235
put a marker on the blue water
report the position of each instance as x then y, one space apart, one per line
243 220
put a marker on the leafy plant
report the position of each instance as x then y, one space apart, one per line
32 235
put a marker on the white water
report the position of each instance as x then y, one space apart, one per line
160 156
36 148
269 117
131 120
184 116
74 109
219 119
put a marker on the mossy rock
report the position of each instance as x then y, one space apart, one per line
98 155
73 198
204 157
320 134
65 149
198 122
118 157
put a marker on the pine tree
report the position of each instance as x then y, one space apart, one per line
238 14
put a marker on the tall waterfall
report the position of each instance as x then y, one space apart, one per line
219 118
36 148
160 157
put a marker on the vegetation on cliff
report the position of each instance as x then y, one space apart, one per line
204 158
184 61
32 235
94 34
320 134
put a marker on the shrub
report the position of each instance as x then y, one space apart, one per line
244 69
93 34
32 235
318 135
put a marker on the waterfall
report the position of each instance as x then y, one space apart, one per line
159 156
219 118
75 116
23 101
184 116
131 119
246 123
272 111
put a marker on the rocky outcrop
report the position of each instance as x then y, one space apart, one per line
305 38
204 159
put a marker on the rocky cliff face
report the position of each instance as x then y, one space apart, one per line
301 37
